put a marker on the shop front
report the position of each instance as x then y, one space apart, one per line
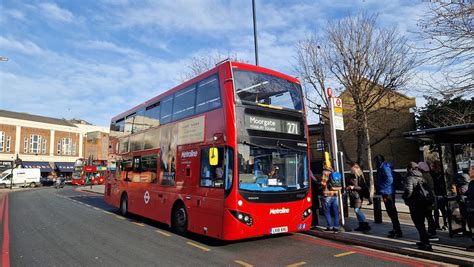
64 169
44 167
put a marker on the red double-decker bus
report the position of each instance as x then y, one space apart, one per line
224 154
92 172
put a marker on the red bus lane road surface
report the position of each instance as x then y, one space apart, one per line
6 233
362 251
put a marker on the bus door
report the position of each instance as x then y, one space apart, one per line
187 180
137 187
211 189
147 189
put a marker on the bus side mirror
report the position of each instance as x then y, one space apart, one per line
213 156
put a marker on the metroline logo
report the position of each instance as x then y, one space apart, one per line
189 154
279 211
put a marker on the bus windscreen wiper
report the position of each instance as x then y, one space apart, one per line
254 145
287 147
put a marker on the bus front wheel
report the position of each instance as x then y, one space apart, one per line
180 219
124 205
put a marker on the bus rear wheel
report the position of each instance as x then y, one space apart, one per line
180 220
124 205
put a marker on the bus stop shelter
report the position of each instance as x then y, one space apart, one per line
454 145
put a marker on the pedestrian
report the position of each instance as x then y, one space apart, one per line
425 172
385 188
358 189
439 187
460 187
470 205
330 201
418 209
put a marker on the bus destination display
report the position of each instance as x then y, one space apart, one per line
271 125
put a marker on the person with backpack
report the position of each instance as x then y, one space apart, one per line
419 198
330 203
385 188
358 189
424 168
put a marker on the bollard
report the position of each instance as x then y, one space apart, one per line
377 209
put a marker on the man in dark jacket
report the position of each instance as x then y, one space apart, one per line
385 188
418 210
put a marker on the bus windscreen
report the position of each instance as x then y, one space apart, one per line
253 88
271 169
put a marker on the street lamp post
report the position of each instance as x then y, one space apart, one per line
255 32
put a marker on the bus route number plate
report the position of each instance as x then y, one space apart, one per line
278 230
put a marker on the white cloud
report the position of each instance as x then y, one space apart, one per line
108 46
52 10
14 13
25 47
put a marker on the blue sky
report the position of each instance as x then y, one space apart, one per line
93 59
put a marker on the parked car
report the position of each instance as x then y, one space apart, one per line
45 181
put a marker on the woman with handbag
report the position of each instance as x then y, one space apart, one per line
358 189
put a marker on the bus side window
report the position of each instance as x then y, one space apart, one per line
148 168
126 168
212 176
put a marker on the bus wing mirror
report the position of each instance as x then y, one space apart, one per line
213 156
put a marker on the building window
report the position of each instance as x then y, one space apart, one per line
2 140
74 149
25 148
43 150
35 143
9 139
66 146
59 148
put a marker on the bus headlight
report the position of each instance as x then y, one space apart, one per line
306 213
242 217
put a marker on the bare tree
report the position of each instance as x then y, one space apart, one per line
368 62
202 63
448 29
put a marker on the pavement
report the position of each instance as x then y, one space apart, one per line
446 250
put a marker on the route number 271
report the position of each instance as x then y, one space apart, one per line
291 127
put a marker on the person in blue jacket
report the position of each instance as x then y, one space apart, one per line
385 188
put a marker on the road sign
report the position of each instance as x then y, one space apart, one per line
338 114
338 121
329 91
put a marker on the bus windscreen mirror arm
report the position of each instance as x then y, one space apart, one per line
213 156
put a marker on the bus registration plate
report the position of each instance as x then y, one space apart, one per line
278 230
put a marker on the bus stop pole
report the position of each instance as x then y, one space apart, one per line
344 207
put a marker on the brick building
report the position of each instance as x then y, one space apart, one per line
388 120
47 143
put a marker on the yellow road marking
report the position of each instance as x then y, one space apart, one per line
96 208
344 254
198 246
87 205
139 224
296 264
119 217
104 211
243 263
162 233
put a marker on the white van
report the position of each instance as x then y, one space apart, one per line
21 177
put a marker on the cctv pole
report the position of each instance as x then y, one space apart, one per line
255 32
